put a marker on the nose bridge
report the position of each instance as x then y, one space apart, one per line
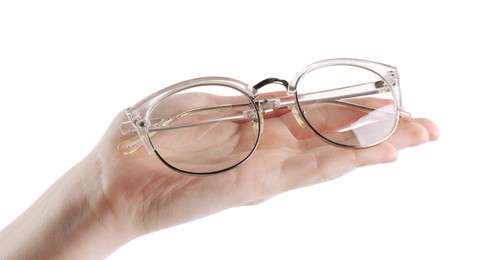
271 81
274 103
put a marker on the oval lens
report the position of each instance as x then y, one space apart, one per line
204 129
347 105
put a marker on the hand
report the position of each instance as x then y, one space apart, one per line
147 194
109 198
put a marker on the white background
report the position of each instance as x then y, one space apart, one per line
67 68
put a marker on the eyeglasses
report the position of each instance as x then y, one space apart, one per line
213 124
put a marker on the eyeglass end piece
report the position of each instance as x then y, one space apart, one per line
127 128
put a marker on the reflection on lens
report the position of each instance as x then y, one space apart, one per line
204 129
348 105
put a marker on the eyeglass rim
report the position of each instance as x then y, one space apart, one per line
380 69
202 82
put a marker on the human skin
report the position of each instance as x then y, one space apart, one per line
108 199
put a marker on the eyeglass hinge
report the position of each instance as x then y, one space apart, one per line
140 123
137 120
392 77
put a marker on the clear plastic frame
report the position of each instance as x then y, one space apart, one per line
209 125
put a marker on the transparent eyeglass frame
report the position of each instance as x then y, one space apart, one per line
144 127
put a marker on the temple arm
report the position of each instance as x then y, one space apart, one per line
267 105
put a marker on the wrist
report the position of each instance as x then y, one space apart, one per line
72 219
94 224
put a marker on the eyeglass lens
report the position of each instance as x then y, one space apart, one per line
347 105
204 129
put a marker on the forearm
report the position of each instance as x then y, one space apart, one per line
72 219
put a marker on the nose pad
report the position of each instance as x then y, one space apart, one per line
297 116
256 122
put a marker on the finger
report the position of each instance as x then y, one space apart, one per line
326 163
414 133
431 127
